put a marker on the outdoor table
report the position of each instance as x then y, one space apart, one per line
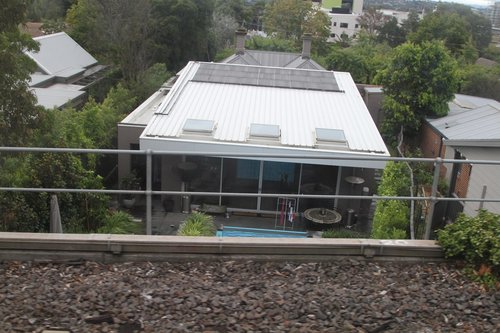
354 180
323 216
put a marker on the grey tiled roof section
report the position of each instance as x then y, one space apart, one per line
266 77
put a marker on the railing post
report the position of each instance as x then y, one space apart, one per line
149 189
430 212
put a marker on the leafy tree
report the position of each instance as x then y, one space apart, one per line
418 81
391 33
181 31
290 19
482 82
452 29
271 44
411 23
83 19
116 30
39 10
222 30
480 26
492 53
362 60
18 113
372 21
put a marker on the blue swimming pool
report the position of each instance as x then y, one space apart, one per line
256 232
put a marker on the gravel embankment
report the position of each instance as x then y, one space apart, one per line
229 296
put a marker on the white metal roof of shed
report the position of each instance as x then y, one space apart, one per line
234 107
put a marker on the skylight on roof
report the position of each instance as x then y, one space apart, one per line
199 126
264 131
330 135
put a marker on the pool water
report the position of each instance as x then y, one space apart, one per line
256 232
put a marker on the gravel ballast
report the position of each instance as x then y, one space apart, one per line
244 296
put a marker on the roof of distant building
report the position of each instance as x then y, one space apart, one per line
60 54
57 95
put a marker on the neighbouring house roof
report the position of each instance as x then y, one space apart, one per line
472 121
273 59
58 95
317 112
60 54
486 62
64 71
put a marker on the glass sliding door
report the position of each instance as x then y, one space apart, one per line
319 180
240 176
204 178
278 177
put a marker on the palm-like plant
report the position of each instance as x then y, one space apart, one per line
197 224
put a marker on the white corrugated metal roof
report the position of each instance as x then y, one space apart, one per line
59 53
56 96
470 119
298 112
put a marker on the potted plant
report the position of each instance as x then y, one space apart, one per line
130 182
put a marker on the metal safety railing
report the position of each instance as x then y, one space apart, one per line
149 192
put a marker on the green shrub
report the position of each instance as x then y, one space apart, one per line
477 241
197 224
119 223
390 220
342 233
474 239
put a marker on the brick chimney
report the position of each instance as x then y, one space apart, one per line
306 46
241 33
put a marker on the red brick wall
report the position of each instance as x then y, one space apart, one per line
463 180
430 144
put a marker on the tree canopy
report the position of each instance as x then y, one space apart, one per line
418 81
18 113
290 19
372 21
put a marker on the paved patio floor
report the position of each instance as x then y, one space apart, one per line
167 223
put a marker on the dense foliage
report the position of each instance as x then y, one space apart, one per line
391 220
474 239
18 113
418 81
119 222
290 19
